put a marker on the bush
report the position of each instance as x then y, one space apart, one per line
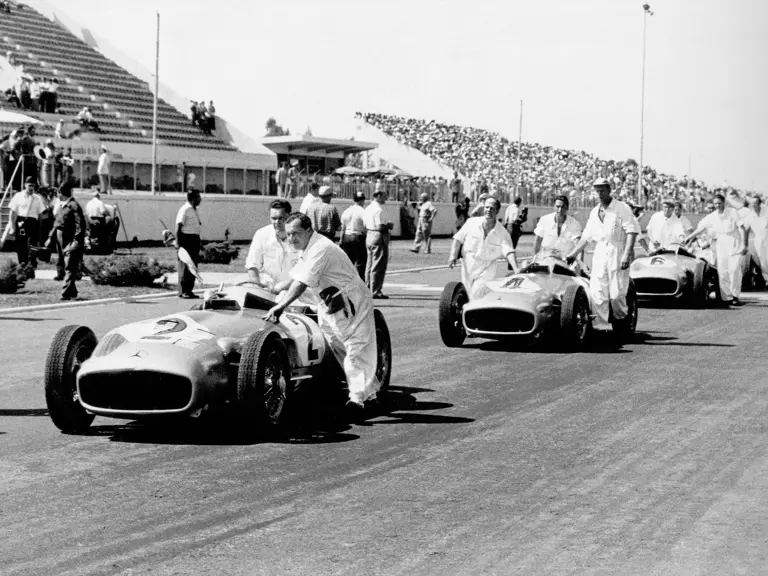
12 277
219 253
126 270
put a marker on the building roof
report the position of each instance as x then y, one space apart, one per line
314 145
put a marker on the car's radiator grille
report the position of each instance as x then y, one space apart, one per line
655 286
499 320
138 390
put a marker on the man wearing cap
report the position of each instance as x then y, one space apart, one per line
479 210
69 235
293 178
481 242
324 216
353 233
614 229
345 314
665 230
25 210
281 177
557 233
377 226
310 198
726 227
271 256
427 215
103 171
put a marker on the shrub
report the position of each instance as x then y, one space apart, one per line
219 253
12 277
126 270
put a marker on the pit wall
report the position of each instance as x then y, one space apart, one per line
243 215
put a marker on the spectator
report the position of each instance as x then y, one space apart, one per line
96 211
53 96
353 233
26 208
188 229
69 229
281 177
85 118
377 227
103 169
310 198
58 133
457 187
324 217
427 214
211 112
293 176
462 212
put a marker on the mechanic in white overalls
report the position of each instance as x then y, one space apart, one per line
726 227
614 228
756 219
346 311
482 241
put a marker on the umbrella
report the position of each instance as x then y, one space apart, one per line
348 170
379 170
7 117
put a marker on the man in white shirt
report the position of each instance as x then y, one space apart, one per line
346 313
725 226
353 233
103 171
614 229
271 256
96 209
557 233
481 242
377 226
756 220
188 229
25 210
311 197
687 226
281 177
427 214
665 230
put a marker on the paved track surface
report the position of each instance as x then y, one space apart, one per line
648 459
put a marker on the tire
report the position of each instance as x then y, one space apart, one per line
262 380
625 328
699 294
450 318
383 351
575 324
71 346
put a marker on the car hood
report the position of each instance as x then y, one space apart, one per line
522 292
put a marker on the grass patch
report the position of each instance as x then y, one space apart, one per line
39 292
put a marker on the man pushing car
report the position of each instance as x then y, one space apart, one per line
613 228
345 314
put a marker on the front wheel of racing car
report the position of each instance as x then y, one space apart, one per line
625 328
71 346
383 353
262 381
450 315
699 292
575 320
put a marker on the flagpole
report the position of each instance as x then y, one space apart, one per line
519 145
646 12
154 108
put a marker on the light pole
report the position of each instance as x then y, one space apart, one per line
646 13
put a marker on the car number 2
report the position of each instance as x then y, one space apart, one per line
312 353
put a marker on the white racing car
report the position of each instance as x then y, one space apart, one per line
178 364
546 297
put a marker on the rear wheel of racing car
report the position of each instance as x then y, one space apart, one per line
383 352
699 294
625 328
262 380
71 346
575 318
451 322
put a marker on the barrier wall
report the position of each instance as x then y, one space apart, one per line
243 215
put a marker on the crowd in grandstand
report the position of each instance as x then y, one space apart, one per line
203 116
487 158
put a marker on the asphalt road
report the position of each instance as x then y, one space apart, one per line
649 459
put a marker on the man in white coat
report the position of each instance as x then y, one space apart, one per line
665 230
725 226
482 241
614 229
346 311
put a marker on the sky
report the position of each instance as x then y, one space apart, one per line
577 67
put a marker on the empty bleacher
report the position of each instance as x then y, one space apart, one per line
121 104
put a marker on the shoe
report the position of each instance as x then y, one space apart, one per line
190 296
412 250
58 278
380 296
737 302
67 298
354 411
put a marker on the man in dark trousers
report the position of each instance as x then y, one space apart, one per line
69 229
188 227
26 207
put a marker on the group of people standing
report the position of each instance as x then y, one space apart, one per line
203 116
